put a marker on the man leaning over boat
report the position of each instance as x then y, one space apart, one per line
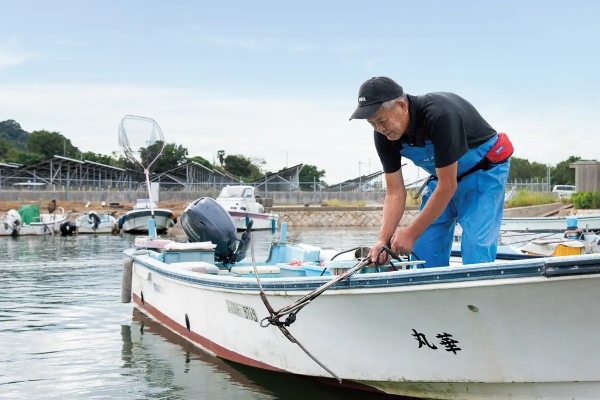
467 159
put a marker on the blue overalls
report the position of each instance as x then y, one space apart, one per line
477 205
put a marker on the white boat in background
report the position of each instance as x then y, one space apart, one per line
518 329
242 205
550 224
93 222
28 221
136 220
10 223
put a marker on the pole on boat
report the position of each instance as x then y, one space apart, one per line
283 233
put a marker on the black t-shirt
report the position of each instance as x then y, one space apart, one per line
450 122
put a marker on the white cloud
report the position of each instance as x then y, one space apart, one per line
283 131
11 54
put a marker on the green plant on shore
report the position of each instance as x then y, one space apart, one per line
586 200
524 198
345 203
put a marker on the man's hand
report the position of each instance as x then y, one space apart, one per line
384 257
402 242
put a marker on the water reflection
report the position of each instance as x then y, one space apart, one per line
181 369
64 332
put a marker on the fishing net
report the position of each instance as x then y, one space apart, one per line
142 142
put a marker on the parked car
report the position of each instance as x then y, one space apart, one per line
563 191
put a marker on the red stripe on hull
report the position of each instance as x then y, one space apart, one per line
222 352
201 340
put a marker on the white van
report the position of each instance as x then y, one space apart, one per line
564 191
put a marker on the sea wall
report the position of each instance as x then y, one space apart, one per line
337 216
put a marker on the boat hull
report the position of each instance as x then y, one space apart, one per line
97 224
260 221
445 334
548 224
49 224
136 221
103 227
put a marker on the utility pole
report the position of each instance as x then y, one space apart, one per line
359 176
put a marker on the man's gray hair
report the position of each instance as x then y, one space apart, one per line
388 105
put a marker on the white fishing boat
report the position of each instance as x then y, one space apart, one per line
242 205
549 224
27 220
513 329
136 220
93 222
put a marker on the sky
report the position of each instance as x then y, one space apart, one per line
278 80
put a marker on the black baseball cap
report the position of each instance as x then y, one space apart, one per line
373 93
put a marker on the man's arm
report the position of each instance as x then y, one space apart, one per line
438 201
393 209
393 205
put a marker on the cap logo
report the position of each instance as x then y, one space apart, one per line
362 99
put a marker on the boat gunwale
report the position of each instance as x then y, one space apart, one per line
478 272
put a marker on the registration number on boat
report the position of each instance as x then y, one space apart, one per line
241 311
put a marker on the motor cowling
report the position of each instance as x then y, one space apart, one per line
11 221
205 220
68 228
95 219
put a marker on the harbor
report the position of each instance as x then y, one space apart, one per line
295 200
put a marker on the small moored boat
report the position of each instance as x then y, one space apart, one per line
242 205
92 222
136 220
27 220
550 224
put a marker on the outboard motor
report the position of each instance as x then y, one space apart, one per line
95 218
67 228
12 222
205 220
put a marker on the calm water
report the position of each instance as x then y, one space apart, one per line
65 334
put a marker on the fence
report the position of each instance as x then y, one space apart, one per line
533 185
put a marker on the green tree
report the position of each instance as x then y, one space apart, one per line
239 165
538 170
173 156
27 158
202 161
11 131
563 174
523 169
308 175
519 168
6 148
50 144
99 158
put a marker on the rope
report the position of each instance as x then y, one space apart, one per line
293 309
289 320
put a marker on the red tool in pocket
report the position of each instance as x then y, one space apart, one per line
501 151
